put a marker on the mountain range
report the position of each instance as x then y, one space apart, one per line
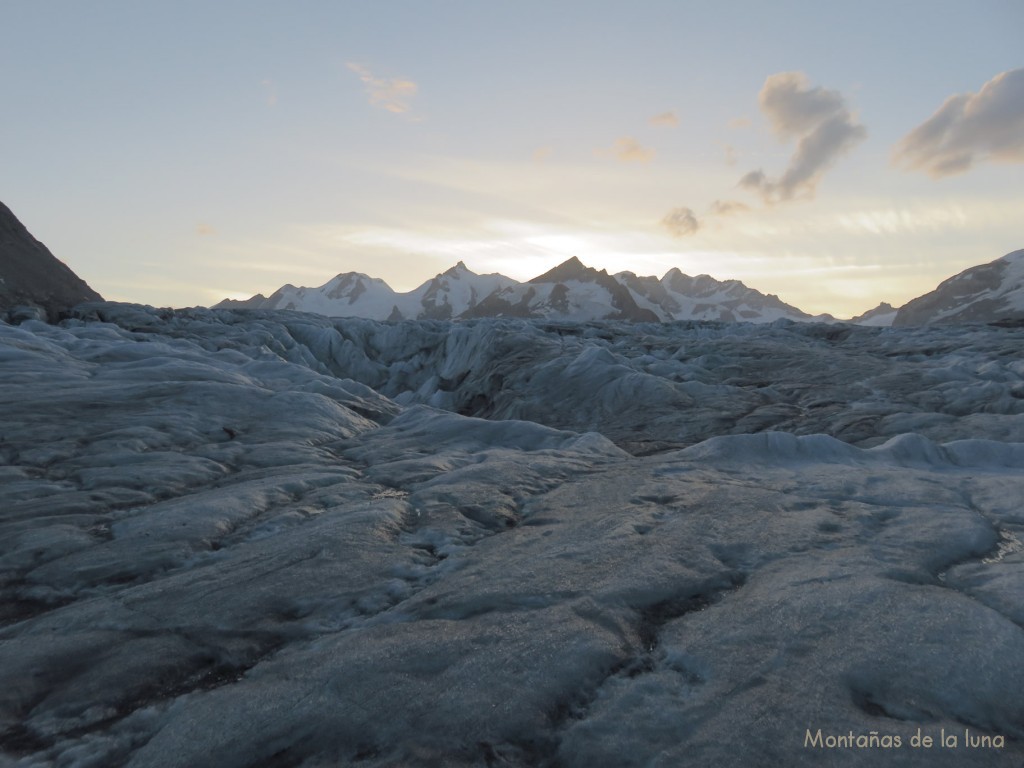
571 291
33 280
992 292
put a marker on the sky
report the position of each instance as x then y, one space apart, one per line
836 154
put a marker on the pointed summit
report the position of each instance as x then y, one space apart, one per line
622 304
880 316
570 269
458 270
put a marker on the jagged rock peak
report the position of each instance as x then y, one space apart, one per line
458 270
570 269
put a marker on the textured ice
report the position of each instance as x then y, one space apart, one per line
265 538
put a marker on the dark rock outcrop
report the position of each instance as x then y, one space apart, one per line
32 276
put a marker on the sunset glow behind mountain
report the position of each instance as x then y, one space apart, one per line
177 154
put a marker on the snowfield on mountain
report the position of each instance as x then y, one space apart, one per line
572 291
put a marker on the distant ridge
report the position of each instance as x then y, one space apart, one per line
30 275
572 291
882 315
987 293
569 291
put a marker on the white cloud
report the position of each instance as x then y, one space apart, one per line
968 128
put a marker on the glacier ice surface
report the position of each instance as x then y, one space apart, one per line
257 538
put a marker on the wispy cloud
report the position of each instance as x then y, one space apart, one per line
727 207
819 121
540 154
390 94
628 150
205 230
666 118
681 222
894 221
969 128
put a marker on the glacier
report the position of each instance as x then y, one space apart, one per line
266 538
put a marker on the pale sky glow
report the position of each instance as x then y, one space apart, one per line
836 155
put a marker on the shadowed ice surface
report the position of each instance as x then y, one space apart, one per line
255 538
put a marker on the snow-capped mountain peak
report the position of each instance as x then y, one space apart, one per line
570 291
458 270
570 269
982 294
349 285
452 293
575 292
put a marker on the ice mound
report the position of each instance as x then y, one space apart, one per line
248 539
907 450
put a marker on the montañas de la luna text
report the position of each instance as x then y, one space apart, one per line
919 740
